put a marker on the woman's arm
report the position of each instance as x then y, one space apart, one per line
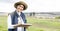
9 21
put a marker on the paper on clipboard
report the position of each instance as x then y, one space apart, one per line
24 25
27 24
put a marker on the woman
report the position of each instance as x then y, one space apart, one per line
17 17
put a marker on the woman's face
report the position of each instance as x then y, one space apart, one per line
20 8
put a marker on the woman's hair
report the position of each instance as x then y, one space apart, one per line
21 3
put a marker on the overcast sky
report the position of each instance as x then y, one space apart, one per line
33 5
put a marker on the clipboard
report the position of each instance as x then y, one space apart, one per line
23 25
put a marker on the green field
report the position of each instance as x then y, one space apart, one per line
37 24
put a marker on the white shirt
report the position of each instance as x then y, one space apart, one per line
10 26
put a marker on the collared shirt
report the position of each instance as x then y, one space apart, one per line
20 20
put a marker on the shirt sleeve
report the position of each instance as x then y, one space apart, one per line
10 26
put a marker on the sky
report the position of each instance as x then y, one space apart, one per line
33 5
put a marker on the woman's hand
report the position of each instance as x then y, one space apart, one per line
15 27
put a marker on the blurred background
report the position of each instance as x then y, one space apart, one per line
44 15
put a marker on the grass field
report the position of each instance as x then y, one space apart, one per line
37 24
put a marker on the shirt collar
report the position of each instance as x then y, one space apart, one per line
19 13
